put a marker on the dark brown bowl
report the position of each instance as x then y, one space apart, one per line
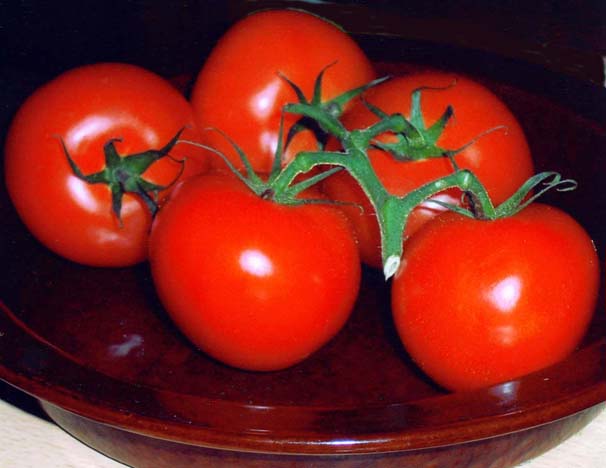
95 347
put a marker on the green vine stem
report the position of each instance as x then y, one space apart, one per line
392 211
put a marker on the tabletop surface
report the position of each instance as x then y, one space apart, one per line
29 439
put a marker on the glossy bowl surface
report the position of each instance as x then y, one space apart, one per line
97 349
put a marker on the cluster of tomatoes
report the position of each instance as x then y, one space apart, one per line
257 284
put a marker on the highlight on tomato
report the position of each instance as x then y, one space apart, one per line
256 284
480 302
90 153
242 86
449 115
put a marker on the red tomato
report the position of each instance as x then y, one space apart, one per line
239 91
477 303
254 284
86 107
500 159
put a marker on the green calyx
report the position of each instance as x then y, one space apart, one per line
124 174
414 140
333 107
269 188
321 117
478 204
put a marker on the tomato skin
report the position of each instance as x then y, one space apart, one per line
239 91
500 159
478 303
256 285
86 107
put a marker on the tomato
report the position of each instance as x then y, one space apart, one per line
85 108
239 90
478 303
501 158
255 284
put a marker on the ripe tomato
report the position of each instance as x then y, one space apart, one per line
501 159
254 284
239 91
477 303
85 108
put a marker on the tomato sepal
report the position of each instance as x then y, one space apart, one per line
272 188
479 205
526 194
334 107
124 174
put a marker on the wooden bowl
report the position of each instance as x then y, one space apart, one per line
95 347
